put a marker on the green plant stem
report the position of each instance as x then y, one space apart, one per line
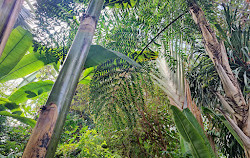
45 136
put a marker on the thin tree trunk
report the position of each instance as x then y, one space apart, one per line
45 136
217 52
9 10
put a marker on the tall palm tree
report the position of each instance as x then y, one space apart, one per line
234 101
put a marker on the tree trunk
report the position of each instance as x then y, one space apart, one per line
45 136
9 10
217 52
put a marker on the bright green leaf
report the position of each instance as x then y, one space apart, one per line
17 45
190 134
20 95
28 64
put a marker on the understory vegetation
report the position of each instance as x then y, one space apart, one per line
149 87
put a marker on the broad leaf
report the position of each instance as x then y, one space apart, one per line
31 90
185 147
17 45
25 120
35 61
86 75
4 100
197 126
190 134
28 64
98 55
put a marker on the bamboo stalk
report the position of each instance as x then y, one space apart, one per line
46 134
9 10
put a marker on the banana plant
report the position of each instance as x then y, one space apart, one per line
192 133
15 64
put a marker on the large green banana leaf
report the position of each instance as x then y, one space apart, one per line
185 147
98 55
28 64
197 126
17 45
31 90
190 134
34 61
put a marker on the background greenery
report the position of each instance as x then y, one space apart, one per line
118 110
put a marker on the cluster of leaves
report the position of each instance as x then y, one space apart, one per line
153 134
236 37
78 140
13 138
112 81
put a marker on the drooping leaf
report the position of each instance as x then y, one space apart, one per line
31 90
226 123
98 55
17 45
190 134
25 120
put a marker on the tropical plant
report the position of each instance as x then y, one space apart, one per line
129 93
233 102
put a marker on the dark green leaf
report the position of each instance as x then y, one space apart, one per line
11 106
32 89
17 112
30 94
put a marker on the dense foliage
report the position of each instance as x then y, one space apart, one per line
121 109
